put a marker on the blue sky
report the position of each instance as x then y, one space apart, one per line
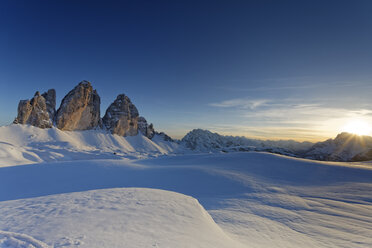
266 69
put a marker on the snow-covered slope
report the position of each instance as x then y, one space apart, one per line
109 218
206 141
89 189
258 199
23 144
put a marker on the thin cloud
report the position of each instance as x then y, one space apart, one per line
291 118
240 103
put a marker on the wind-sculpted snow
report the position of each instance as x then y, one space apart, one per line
258 199
112 218
19 240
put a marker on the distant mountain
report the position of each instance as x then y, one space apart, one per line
206 141
345 147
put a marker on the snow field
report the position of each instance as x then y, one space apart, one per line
94 189
131 217
258 199
23 144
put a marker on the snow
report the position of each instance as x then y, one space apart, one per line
206 141
23 144
114 218
77 193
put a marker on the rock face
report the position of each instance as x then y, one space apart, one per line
34 112
121 117
80 109
164 136
144 128
50 100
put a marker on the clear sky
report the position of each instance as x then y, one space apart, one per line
267 69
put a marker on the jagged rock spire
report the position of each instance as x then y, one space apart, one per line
50 101
121 117
144 128
80 109
38 111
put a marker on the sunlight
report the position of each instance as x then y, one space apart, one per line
358 127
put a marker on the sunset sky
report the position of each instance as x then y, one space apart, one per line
265 69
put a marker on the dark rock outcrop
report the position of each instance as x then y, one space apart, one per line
50 101
121 117
34 112
80 109
363 156
164 136
144 128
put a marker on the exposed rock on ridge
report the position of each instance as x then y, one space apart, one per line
50 101
121 117
80 109
144 128
35 112
164 136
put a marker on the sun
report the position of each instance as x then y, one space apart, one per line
358 127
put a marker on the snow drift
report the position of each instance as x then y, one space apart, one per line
111 218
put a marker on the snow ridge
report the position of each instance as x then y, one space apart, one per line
19 240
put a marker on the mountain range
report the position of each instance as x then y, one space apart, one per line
80 111
346 147
106 182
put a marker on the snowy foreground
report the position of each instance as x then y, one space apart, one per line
193 200
127 217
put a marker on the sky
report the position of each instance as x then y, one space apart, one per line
261 69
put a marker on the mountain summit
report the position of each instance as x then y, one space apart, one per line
80 110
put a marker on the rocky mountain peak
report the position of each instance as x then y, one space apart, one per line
121 117
34 112
80 109
50 101
85 83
